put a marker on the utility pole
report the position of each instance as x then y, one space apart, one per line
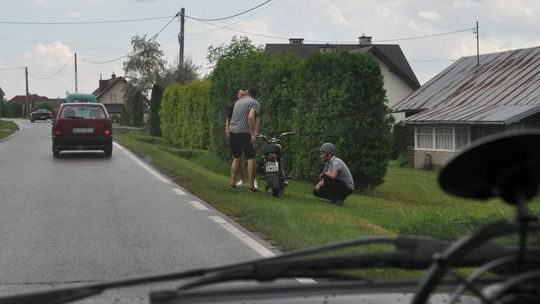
26 101
477 46
181 38
76 84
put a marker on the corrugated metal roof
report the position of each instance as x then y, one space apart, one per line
476 114
506 78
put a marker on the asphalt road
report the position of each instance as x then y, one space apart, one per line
85 218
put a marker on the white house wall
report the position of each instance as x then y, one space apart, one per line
396 89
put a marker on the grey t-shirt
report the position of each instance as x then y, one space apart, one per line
239 117
343 173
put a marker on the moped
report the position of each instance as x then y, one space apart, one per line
273 164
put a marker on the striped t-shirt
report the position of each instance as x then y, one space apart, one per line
239 118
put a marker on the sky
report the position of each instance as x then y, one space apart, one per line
44 35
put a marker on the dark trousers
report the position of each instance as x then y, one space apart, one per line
333 189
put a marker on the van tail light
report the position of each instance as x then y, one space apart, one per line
271 157
107 131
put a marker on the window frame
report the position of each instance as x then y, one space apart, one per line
434 138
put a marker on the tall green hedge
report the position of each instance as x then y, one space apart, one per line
274 76
344 103
335 97
12 110
184 114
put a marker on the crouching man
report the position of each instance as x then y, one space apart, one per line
335 182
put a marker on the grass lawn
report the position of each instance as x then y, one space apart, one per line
409 202
7 128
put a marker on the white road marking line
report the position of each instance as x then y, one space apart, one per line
179 191
147 168
198 205
260 249
119 146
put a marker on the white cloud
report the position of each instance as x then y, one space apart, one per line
52 55
73 15
337 17
429 15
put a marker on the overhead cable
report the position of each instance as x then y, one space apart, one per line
427 36
14 68
102 62
228 17
54 74
155 36
83 22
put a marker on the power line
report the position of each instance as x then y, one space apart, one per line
14 68
83 22
102 62
155 36
229 17
228 25
54 74
427 36
323 41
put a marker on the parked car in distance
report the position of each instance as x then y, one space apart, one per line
40 114
80 97
82 126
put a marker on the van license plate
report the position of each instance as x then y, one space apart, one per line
83 130
272 167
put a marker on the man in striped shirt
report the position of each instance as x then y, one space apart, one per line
243 128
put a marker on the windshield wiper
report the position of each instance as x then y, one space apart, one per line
410 253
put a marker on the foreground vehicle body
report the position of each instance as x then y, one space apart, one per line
498 263
82 126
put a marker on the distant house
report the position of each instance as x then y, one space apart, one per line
2 94
467 101
399 78
111 93
33 99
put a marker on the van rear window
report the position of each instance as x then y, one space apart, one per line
82 112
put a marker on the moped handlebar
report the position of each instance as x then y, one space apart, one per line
259 135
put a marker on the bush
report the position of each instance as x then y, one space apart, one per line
12 110
184 114
398 140
344 103
405 160
335 97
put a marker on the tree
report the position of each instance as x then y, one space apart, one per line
155 105
177 74
143 69
240 47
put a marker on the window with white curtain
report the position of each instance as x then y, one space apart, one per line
441 138
424 138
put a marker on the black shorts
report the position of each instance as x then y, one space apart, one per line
241 144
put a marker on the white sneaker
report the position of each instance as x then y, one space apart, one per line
240 183
255 184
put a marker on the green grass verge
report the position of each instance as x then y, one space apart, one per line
7 128
409 202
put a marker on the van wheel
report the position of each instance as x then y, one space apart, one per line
56 152
108 152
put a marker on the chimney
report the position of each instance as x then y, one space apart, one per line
364 40
296 40
102 85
